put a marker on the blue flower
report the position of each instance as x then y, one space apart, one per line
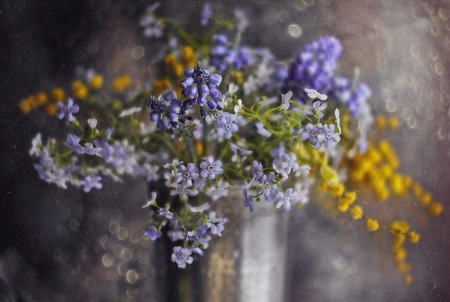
248 202
206 13
91 150
67 110
257 170
239 151
284 199
152 233
313 67
223 54
199 87
312 133
210 168
187 174
225 125
164 111
164 212
278 152
215 224
72 142
181 256
90 182
328 137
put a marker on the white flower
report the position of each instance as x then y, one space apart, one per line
303 170
285 100
262 130
218 191
314 94
92 122
338 119
200 208
251 85
317 107
130 111
36 145
151 201
238 107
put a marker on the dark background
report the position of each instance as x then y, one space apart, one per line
41 44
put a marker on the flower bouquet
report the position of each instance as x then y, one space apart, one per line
220 114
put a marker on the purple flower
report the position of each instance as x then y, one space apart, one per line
67 110
91 150
286 165
152 233
328 137
313 68
206 13
312 132
210 168
215 224
239 151
285 198
248 202
164 212
257 170
164 111
278 152
72 142
181 256
199 87
114 154
90 182
225 125
187 174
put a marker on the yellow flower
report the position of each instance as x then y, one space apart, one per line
57 95
380 121
436 208
398 240
373 155
96 81
372 225
121 82
161 85
188 56
413 237
79 90
403 267
328 173
349 197
356 212
393 122
187 52
25 106
386 171
399 226
425 199
40 98
417 189
170 59
408 279
342 205
399 254
397 184
336 189
51 109
177 69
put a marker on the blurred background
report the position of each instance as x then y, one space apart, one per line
58 245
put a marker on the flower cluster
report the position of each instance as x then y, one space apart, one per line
223 54
277 130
